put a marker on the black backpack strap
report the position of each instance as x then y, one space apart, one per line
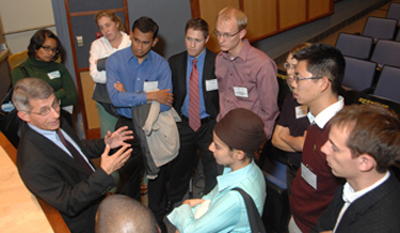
255 220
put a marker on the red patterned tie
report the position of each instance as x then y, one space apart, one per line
194 103
77 156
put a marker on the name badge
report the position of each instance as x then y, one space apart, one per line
54 74
211 85
301 111
241 92
309 176
150 86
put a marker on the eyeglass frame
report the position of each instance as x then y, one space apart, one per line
287 66
296 78
44 112
225 35
48 49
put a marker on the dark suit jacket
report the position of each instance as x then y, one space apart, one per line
178 66
376 211
54 176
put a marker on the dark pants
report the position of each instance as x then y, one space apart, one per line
183 165
156 187
131 173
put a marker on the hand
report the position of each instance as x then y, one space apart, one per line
326 232
119 137
163 97
119 87
193 202
114 162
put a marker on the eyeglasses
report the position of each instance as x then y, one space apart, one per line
287 66
45 111
49 49
296 78
225 35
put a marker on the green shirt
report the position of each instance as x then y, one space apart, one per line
54 73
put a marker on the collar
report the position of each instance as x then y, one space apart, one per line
244 52
349 196
46 133
129 56
230 178
199 58
326 115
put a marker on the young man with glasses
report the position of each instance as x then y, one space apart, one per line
55 165
316 82
246 75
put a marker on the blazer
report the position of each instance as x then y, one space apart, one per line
51 174
178 64
376 211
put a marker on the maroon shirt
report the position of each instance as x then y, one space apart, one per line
255 71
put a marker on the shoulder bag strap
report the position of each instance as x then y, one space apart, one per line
255 220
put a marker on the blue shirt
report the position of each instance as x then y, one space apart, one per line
124 67
200 68
227 210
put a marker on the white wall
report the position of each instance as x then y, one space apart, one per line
22 18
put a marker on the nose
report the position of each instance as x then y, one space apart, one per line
211 147
55 112
192 44
220 38
324 148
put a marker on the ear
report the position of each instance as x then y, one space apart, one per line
154 42
366 162
242 34
324 83
24 116
240 155
208 37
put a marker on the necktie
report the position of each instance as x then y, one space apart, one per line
77 156
194 103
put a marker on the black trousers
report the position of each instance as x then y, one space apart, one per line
131 173
183 165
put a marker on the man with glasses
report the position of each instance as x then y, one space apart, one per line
246 76
55 165
197 59
316 82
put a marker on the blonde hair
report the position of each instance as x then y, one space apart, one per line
232 12
112 16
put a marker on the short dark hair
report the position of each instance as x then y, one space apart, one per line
197 24
373 130
38 40
324 61
145 25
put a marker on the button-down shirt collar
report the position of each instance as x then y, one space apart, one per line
349 195
326 115
230 177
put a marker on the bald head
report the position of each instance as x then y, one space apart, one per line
122 214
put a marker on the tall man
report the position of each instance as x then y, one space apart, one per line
318 76
246 76
139 69
194 83
363 143
55 165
